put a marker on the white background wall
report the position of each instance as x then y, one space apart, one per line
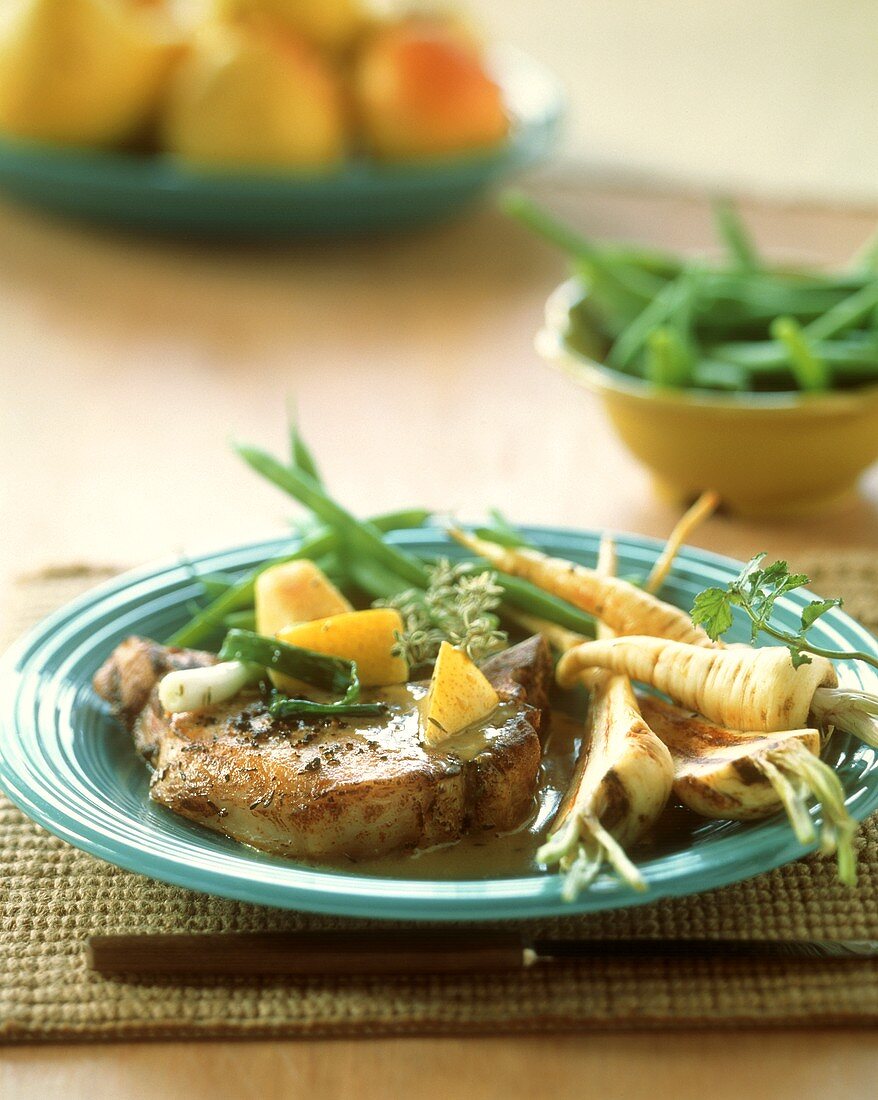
766 96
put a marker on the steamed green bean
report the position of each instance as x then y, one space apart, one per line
740 325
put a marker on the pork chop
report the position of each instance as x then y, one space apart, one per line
323 788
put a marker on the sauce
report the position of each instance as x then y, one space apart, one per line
496 855
399 731
485 855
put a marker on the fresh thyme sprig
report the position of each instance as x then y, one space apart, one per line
457 607
755 591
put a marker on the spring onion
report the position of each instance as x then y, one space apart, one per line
328 673
195 688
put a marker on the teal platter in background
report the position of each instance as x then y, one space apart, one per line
155 193
67 764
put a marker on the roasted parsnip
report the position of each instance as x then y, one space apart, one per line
740 687
622 606
621 784
743 776
561 639
692 518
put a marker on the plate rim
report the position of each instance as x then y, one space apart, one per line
376 897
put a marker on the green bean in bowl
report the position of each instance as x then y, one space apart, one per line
738 325
722 375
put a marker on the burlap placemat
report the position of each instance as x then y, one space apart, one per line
53 896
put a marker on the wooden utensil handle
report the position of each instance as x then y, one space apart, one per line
303 953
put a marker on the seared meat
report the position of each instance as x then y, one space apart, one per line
320 788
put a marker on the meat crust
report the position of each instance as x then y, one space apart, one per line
329 789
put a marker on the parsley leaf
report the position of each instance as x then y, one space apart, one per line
815 609
712 609
755 591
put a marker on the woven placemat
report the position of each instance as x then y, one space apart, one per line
53 896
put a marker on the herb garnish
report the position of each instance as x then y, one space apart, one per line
755 591
457 607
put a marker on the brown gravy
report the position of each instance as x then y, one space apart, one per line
505 855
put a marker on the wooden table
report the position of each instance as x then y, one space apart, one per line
127 364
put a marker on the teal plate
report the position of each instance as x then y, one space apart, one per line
67 764
157 194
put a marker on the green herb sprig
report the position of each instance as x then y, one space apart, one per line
755 591
457 607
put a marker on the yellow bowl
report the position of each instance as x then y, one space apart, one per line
764 453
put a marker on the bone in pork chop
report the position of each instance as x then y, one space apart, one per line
319 788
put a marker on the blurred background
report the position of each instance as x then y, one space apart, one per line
129 359
771 97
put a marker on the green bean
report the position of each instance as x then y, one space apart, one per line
213 584
692 323
653 260
360 533
638 284
616 303
847 313
654 263
329 673
519 206
809 370
668 362
409 569
713 374
865 259
731 230
535 217
844 282
634 279
241 595
659 311
283 707
527 597
301 456
769 355
591 329
241 620
374 579
502 531
732 298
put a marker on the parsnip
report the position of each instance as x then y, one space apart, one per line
621 784
744 776
622 606
741 688
562 639
693 517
